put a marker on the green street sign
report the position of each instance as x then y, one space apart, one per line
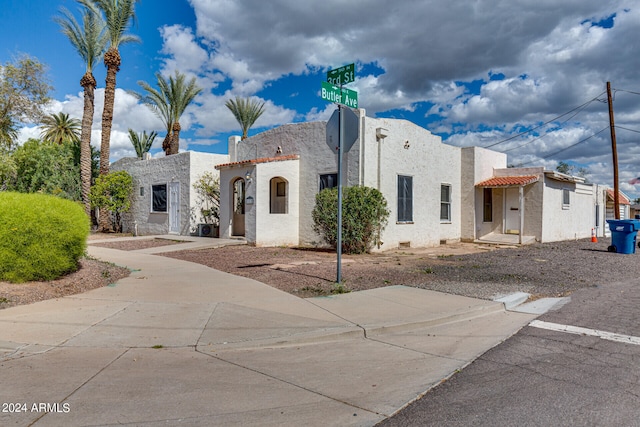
342 76
346 97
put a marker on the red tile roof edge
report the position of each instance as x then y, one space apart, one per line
624 200
259 160
508 181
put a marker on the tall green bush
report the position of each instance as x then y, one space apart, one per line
112 193
42 237
46 167
364 216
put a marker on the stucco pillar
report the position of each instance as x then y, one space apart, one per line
521 212
233 148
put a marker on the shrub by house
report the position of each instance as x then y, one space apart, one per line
364 216
42 237
112 194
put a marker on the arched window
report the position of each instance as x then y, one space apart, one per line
278 195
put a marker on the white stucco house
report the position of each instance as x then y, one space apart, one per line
535 205
436 192
281 170
163 199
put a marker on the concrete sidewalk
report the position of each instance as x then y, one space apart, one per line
178 343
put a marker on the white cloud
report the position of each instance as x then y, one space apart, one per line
182 48
484 71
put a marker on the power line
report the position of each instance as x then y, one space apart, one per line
570 146
627 91
550 121
630 130
542 136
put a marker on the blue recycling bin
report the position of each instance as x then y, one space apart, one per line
623 235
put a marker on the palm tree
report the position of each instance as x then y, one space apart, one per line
141 141
169 103
8 132
117 15
90 41
246 112
158 102
60 128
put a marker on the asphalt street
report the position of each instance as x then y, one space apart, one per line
576 366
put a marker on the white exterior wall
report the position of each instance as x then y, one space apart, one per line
478 164
184 168
574 222
275 229
261 227
412 151
600 206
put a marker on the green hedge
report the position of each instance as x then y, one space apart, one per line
41 237
364 216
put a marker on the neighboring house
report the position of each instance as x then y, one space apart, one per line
626 211
624 204
163 200
535 205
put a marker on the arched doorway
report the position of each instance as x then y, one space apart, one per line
237 222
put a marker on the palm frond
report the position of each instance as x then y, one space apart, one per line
141 141
117 15
60 128
246 111
89 39
171 98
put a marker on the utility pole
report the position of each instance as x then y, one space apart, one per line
616 194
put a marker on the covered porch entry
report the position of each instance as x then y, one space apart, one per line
503 214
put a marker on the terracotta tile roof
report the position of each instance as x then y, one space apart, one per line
508 181
259 160
624 200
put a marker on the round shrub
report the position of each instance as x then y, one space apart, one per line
364 216
41 237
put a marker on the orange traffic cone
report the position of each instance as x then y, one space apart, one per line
594 239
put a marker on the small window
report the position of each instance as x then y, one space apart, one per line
488 205
445 203
405 198
278 196
566 199
159 199
328 180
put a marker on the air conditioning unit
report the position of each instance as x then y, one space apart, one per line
206 230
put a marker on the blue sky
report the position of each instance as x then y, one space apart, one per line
475 73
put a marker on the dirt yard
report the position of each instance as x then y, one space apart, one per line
481 271
552 269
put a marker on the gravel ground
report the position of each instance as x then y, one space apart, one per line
91 274
543 270
480 271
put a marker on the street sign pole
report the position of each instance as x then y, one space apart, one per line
333 91
339 238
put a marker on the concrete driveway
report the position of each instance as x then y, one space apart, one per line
178 343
